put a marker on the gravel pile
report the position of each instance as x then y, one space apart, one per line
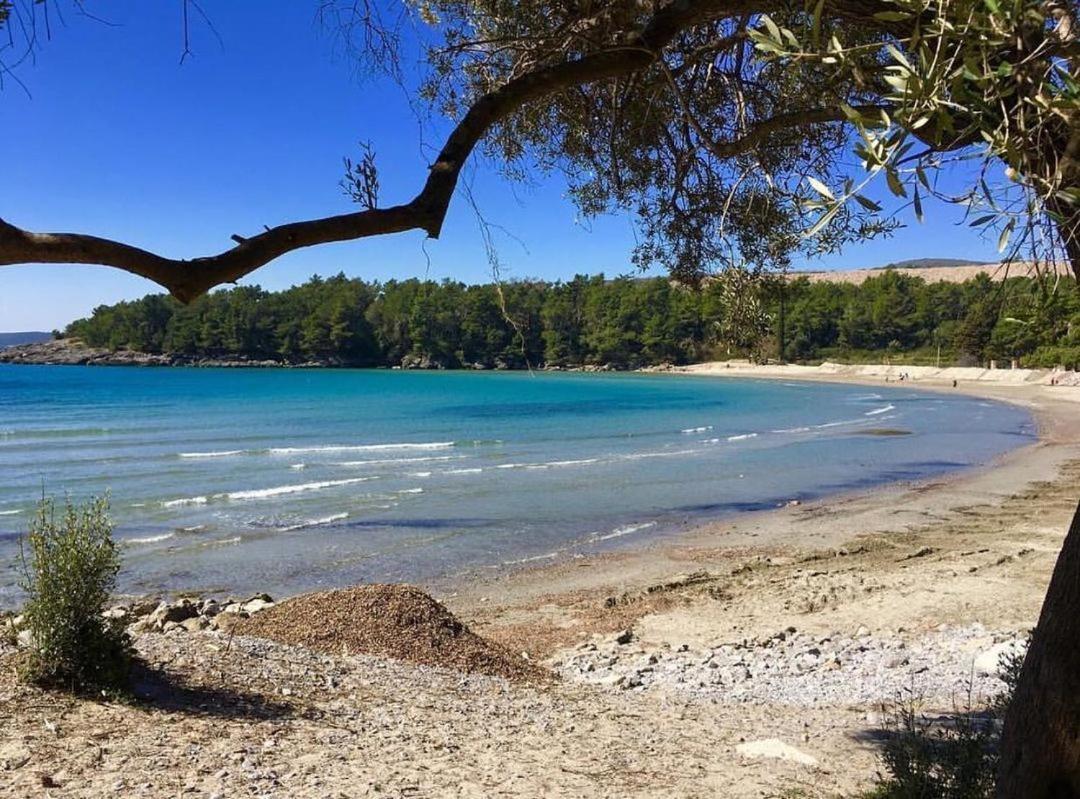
794 668
395 621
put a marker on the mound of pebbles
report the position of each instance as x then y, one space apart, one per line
796 668
396 621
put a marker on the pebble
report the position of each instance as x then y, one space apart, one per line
792 668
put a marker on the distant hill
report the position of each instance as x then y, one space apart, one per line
27 337
932 270
932 263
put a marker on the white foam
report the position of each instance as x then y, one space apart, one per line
463 471
558 464
179 503
511 466
662 454
222 454
361 447
619 532
793 430
705 429
150 539
298 466
886 409
548 556
411 491
9 512
276 491
401 460
337 517
742 437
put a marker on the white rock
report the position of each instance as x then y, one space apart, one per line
992 660
257 604
776 749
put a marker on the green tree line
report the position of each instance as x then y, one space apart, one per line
591 320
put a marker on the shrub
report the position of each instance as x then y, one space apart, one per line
69 564
953 760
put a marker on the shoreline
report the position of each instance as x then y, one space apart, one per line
1055 410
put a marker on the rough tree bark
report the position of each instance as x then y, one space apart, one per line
1040 757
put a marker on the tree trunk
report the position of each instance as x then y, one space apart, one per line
1040 748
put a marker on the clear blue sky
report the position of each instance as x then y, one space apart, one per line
120 140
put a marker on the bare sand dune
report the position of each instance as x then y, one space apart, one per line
935 274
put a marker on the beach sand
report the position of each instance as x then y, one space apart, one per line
904 585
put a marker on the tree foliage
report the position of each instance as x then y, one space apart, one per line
591 320
723 125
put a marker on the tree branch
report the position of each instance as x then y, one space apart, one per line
187 279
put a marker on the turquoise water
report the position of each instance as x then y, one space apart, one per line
287 480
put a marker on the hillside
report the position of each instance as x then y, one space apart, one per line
26 337
932 270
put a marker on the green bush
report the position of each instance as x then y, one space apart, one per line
70 563
958 759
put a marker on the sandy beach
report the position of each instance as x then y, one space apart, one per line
749 657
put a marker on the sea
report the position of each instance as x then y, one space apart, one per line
288 480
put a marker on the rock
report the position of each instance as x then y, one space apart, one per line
993 660
226 621
118 613
144 607
13 756
195 623
776 749
256 604
862 632
24 639
176 613
625 637
209 607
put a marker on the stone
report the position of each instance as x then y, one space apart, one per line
175 613
256 604
195 623
992 661
775 749
625 637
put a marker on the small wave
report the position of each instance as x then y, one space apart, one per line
298 466
150 539
418 474
179 503
705 429
9 512
867 397
227 453
534 558
264 493
463 471
361 447
224 542
511 466
839 423
337 517
793 430
634 456
886 409
742 437
193 529
619 532
559 464
411 491
378 461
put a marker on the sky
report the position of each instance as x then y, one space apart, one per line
110 134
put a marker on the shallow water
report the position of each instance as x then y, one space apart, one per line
286 480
